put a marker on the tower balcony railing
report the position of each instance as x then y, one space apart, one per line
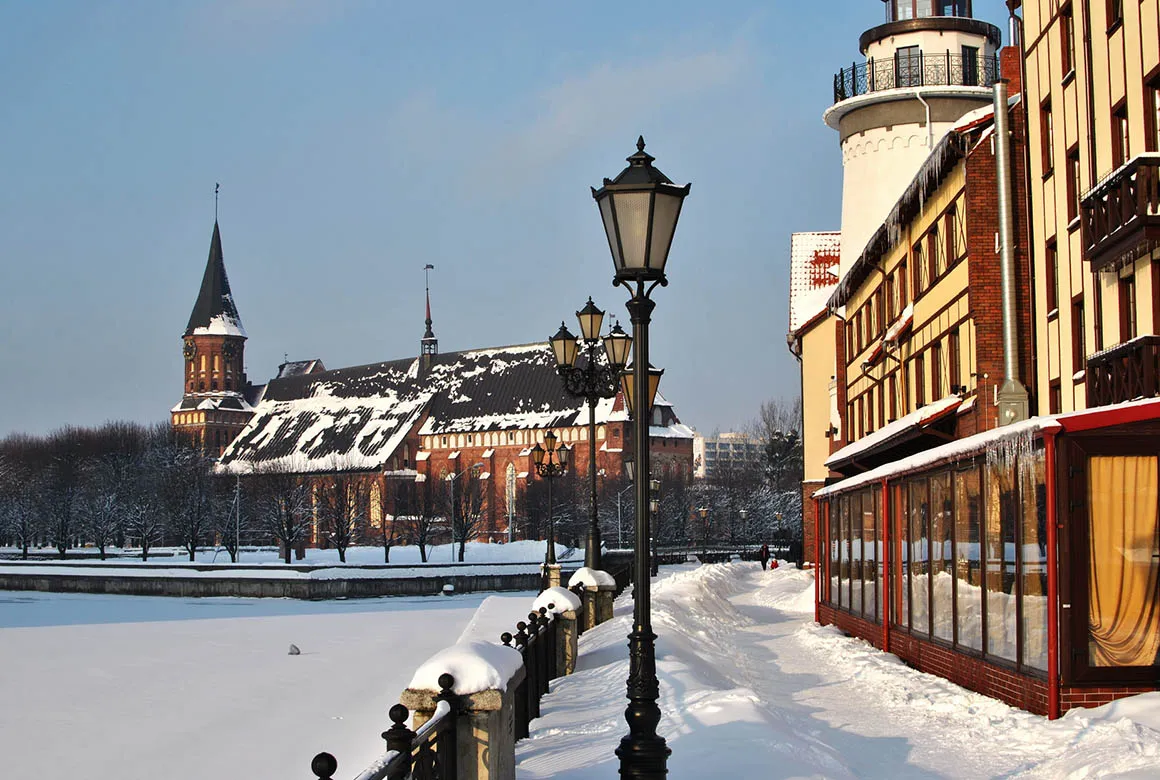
1121 215
921 69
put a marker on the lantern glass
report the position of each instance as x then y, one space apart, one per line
654 381
666 210
632 221
549 441
563 454
591 319
617 345
626 389
610 231
629 468
564 347
704 512
538 455
654 506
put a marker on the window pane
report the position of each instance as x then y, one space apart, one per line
1123 613
919 527
856 553
1034 563
941 564
969 575
835 546
844 551
1002 514
901 579
876 560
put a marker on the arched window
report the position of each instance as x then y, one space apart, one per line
600 433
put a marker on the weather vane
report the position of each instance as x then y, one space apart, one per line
216 186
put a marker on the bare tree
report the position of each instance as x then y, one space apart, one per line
465 506
342 508
19 518
283 506
419 516
187 495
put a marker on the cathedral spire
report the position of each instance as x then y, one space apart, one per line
429 344
215 312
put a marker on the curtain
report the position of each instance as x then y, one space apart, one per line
1123 614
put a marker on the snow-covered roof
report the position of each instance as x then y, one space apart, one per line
355 418
924 415
300 367
227 401
813 274
214 312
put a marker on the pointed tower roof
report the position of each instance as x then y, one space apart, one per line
215 312
429 345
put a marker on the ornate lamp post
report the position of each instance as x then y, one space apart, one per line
640 208
550 462
591 380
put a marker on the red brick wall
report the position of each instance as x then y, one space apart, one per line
985 282
810 521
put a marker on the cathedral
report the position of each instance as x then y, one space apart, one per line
402 422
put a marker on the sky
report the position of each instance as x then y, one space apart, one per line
357 141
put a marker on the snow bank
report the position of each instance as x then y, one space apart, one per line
563 599
475 665
591 578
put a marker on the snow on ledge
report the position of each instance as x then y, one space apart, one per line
918 417
476 666
563 599
591 578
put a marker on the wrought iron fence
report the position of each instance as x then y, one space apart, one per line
426 754
536 640
920 69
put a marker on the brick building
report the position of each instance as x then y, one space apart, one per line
447 420
991 509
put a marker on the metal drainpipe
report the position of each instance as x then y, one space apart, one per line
1012 399
929 127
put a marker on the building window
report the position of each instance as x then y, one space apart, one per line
970 66
1073 184
1054 397
948 226
1152 120
1115 13
1078 348
1121 146
1127 308
920 269
1066 39
1052 277
953 360
919 381
1047 136
893 392
908 66
936 372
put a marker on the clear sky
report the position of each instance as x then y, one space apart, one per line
356 141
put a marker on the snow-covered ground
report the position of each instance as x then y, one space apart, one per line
107 687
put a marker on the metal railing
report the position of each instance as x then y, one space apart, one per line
1123 211
1124 372
921 69
426 754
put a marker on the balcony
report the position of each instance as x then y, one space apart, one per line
1121 216
909 71
1125 372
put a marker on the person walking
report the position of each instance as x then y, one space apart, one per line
764 555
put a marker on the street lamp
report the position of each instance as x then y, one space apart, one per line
550 462
704 512
591 380
639 209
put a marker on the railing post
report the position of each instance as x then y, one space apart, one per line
447 749
532 662
401 739
324 766
519 695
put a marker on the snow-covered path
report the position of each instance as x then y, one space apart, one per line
752 688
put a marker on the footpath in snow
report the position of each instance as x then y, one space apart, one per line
751 687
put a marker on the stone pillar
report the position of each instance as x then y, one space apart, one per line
485 735
567 641
605 594
553 575
591 619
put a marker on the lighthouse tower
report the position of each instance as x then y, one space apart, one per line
929 64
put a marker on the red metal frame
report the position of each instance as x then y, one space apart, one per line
1052 578
885 565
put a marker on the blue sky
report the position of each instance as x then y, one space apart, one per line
356 141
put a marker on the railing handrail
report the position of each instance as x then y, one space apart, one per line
1112 180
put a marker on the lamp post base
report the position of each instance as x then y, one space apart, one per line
643 758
